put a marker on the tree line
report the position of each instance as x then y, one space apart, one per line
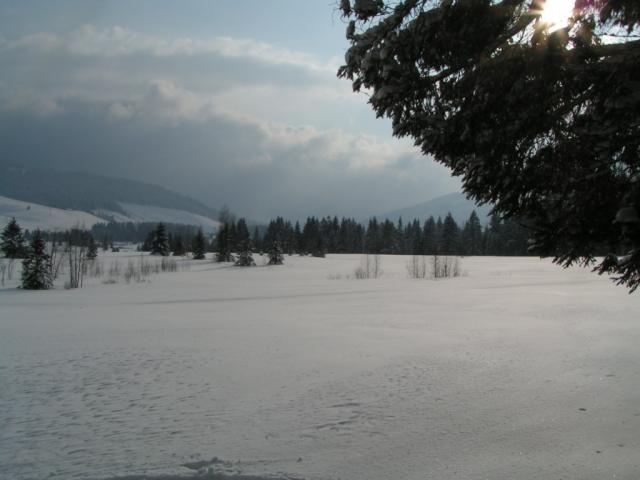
431 237
319 236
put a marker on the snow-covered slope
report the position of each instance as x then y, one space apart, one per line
151 213
32 215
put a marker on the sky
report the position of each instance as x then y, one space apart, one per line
233 103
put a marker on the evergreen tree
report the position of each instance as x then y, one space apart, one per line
449 244
298 240
387 238
312 239
92 248
472 236
160 241
147 244
36 268
199 245
256 240
373 237
104 243
223 244
12 240
275 254
245 252
177 246
540 118
493 236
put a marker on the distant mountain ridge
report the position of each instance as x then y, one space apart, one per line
456 203
92 193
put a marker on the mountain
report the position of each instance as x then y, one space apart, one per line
53 199
456 203
90 192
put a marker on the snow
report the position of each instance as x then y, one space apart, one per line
151 213
32 216
518 370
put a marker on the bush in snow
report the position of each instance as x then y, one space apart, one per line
370 267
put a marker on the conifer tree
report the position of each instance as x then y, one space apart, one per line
199 245
12 240
177 246
540 117
92 248
275 254
36 271
245 252
450 236
160 242
256 240
223 248
472 236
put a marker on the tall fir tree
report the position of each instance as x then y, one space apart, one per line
36 268
245 251
223 246
450 236
177 246
12 240
275 254
92 248
160 241
471 237
199 245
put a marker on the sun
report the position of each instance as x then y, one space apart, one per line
556 13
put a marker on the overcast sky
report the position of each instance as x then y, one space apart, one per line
232 102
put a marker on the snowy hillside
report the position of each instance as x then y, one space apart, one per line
151 213
32 215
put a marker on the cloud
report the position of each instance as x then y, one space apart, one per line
117 41
266 130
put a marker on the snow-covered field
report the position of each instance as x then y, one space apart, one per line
518 370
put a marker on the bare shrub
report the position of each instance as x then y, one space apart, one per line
56 259
446 267
114 269
131 272
137 270
94 269
6 269
417 267
436 267
77 256
168 264
370 267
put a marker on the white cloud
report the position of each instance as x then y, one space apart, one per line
90 40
